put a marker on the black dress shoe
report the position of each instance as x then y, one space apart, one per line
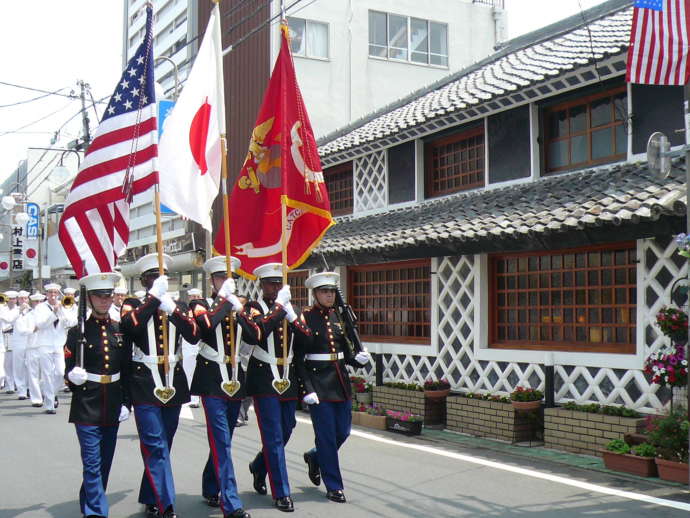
284 504
259 482
336 495
212 501
238 513
313 471
57 403
37 405
169 513
151 511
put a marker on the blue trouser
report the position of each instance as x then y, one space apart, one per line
276 420
156 426
97 445
221 417
332 422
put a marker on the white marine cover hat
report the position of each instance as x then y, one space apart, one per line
11 294
23 293
69 291
269 271
150 262
140 294
322 280
194 292
37 296
104 281
119 290
52 286
217 264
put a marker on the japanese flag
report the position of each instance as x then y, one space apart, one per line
189 151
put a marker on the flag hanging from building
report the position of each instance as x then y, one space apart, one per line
119 163
282 161
189 152
659 39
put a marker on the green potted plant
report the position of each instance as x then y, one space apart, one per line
374 416
404 422
525 398
436 389
638 460
673 322
669 435
363 392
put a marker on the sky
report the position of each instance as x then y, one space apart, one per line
51 44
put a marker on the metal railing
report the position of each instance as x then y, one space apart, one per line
500 4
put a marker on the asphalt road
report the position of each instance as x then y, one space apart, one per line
386 475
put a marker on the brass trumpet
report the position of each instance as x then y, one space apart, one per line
3 299
68 301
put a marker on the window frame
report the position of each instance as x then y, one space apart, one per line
431 145
409 49
296 279
628 349
587 100
339 169
420 342
307 22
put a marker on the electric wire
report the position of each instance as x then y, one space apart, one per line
70 96
36 121
26 101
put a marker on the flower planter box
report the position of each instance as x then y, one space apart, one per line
583 432
633 464
377 422
672 471
363 397
356 417
405 427
414 402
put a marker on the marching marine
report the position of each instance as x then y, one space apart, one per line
19 341
157 384
96 364
8 314
220 381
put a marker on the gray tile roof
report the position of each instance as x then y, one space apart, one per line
526 61
618 202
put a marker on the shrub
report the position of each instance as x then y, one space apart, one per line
618 446
403 386
526 394
669 435
644 450
436 385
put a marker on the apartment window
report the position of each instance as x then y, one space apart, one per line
392 301
454 163
300 294
339 185
586 131
182 18
404 38
569 300
308 38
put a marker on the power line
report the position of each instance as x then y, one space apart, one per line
70 96
32 99
35 122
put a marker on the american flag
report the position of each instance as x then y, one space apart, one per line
119 163
658 52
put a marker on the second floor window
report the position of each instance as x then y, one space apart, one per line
586 131
339 184
308 38
454 163
404 38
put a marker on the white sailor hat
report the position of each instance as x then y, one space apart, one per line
23 293
140 294
69 291
52 286
322 280
103 282
119 290
11 294
217 264
174 294
37 296
194 293
150 262
270 272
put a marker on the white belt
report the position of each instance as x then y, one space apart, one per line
157 360
211 354
103 378
263 356
327 357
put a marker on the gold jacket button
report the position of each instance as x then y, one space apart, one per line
105 349
107 357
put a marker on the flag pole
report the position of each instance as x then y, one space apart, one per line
283 198
161 271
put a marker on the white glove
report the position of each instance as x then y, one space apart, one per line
235 302
290 312
311 399
283 296
124 414
363 357
160 286
228 288
77 376
167 304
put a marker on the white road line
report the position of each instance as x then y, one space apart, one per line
521 471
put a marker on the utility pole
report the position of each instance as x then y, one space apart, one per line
84 113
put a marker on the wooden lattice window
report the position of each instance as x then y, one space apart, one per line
339 184
587 131
569 300
454 163
300 294
392 301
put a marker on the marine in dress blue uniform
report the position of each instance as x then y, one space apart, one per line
220 381
321 357
156 401
99 396
274 404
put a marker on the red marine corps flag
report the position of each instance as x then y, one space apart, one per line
282 162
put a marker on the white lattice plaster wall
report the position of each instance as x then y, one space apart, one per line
371 191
